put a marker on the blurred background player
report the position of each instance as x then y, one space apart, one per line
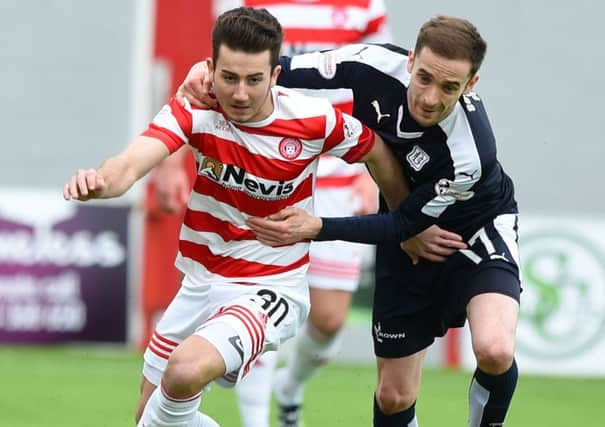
341 190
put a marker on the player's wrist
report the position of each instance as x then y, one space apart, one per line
317 226
324 229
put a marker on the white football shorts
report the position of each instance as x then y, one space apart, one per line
249 319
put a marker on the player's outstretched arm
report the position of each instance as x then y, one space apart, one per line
117 174
292 225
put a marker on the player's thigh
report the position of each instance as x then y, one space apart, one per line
493 303
492 286
329 308
189 309
493 322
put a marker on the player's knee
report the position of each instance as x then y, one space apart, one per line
328 324
183 376
392 400
330 327
494 356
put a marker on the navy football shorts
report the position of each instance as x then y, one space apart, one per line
415 304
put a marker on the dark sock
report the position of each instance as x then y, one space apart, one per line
398 419
490 397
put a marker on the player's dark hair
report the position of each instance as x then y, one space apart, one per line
453 38
248 30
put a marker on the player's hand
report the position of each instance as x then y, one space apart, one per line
365 192
196 87
290 225
86 184
172 186
434 244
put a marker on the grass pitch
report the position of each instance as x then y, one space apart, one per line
98 387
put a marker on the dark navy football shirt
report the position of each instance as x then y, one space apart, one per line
454 175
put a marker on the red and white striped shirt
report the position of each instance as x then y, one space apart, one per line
253 169
311 25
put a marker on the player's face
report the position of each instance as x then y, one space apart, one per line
436 84
242 84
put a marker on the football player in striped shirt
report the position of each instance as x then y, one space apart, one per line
257 152
341 189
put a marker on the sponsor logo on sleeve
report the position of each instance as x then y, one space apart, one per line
351 127
445 187
327 66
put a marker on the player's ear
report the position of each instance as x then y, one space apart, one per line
210 65
411 56
275 75
471 84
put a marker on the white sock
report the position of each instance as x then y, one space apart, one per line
164 411
203 420
254 392
311 351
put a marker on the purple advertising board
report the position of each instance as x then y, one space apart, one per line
63 271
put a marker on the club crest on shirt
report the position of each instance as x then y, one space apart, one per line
211 168
417 158
290 148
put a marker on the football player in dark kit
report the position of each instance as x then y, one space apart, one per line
421 102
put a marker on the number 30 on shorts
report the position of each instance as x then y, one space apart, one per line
276 306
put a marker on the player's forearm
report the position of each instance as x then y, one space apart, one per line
121 171
118 175
388 173
371 229
396 226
